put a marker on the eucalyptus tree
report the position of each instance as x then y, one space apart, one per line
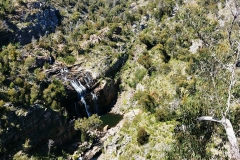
216 96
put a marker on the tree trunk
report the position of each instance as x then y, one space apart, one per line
234 149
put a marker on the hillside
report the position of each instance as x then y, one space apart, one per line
119 79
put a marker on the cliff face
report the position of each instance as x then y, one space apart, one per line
33 128
29 129
88 91
39 24
98 94
31 21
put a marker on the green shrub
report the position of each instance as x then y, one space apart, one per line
84 137
160 49
11 85
142 136
20 156
165 68
30 62
70 59
2 105
145 60
86 124
46 65
54 94
145 100
165 7
147 39
148 156
164 114
75 17
7 6
138 76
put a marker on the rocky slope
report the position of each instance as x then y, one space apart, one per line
38 125
33 128
157 62
30 21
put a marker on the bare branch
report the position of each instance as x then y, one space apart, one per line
231 138
232 82
208 118
223 65
230 134
235 15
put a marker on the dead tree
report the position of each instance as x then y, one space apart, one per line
234 148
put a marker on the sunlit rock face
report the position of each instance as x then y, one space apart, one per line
31 22
41 23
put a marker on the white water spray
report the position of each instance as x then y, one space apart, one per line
81 90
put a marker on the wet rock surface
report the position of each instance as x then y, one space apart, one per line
99 94
33 128
37 125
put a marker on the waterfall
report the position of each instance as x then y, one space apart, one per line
77 88
88 77
95 99
50 60
82 87
86 83
86 106
81 90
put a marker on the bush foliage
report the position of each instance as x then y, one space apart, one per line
142 136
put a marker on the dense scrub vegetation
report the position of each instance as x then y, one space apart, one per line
178 69
183 84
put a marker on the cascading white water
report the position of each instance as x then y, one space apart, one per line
89 77
81 90
95 99
86 83
82 87
50 60
86 106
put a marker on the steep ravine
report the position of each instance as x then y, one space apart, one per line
32 129
38 125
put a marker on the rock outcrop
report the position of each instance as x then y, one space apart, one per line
30 22
30 129
99 95
27 130
39 24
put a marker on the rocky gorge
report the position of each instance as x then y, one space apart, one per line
87 92
31 21
121 79
39 125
